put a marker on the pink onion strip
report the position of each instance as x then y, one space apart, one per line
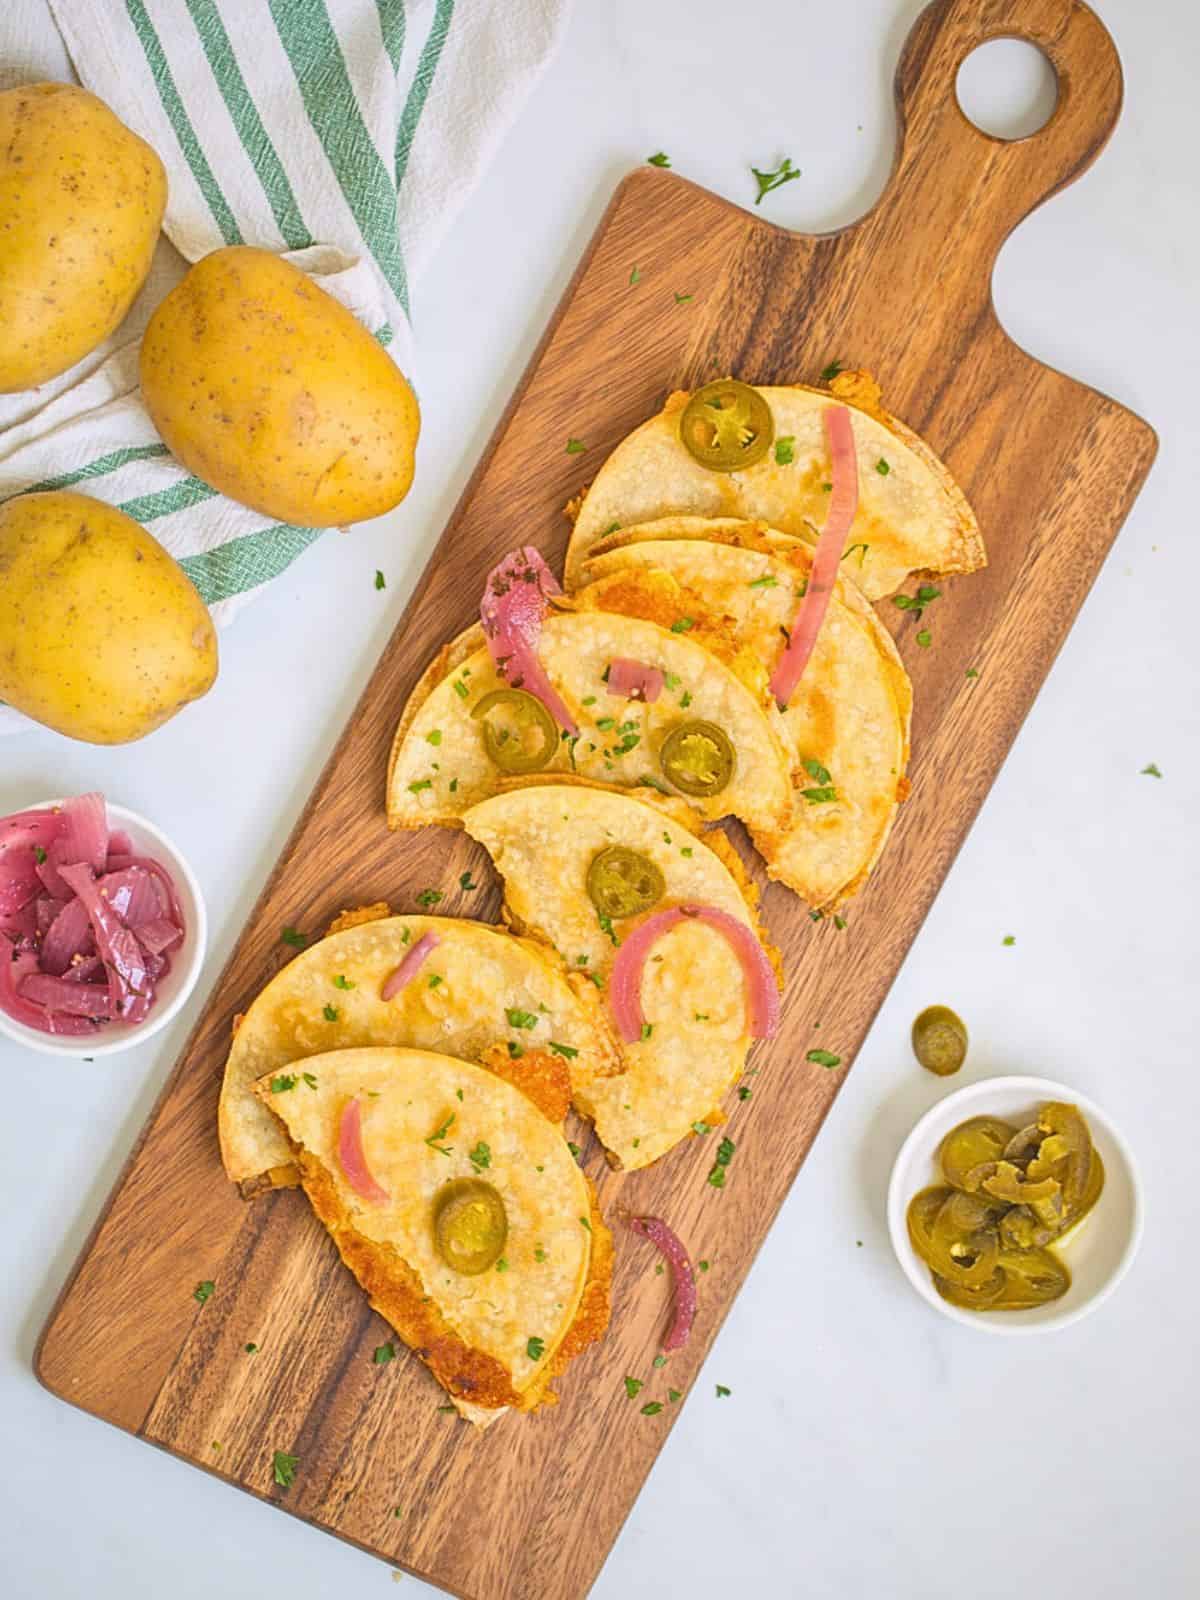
634 680
512 611
827 556
353 1157
409 967
13 972
625 982
682 1276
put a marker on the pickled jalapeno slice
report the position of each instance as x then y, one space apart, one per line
939 1040
622 882
698 758
523 736
972 1144
727 426
470 1225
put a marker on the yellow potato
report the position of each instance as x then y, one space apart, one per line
268 389
102 635
81 203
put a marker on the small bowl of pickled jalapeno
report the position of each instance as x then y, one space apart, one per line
1015 1205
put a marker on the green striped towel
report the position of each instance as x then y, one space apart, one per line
342 133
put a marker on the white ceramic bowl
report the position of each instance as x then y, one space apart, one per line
185 961
1098 1253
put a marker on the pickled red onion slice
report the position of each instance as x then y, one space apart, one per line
512 611
354 1159
409 967
826 557
634 680
625 983
682 1277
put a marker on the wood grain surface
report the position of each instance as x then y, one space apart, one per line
529 1510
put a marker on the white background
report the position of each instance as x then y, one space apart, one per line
869 1449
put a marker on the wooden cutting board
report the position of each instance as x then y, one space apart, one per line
529 1510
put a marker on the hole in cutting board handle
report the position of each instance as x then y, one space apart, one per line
1007 88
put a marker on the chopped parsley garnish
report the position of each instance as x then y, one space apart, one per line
816 771
722 1391
284 1468
1009 939
203 1291
767 581
703 1265
535 1349
659 1361
744 1091
659 159
284 1082
502 1265
585 1223
310 1079
828 374
634 277
701 1128
673 1395
515 1052
785 452
839 923
330 1013
520 1019
683 624
773 180
539 1254
434 736
687 850
461 689
419 784
575 447
972 672
294 937
680 299
633 1386
429 897
573 1148
652 1408
685 699
567 1051
39 855
924 638
606 926
448 1407
435 979
724 1156
821 796
924 596
606 722
481 1156
882 468
466 882
251 1349
343 982
438 1134
647 1030
863 547
384 1353
647 782
1150 772
380 580
823 1058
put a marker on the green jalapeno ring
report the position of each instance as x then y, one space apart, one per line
622 882
727 426
510 755
698 758
470 1225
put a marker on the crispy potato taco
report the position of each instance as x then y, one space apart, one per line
649 705
663 923
848 719
450 1193
424 982
731 450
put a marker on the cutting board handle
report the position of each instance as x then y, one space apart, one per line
976 186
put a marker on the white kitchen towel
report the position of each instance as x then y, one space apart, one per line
344 134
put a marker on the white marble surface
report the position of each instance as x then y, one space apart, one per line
869 1450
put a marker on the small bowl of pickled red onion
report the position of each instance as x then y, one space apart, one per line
102 928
